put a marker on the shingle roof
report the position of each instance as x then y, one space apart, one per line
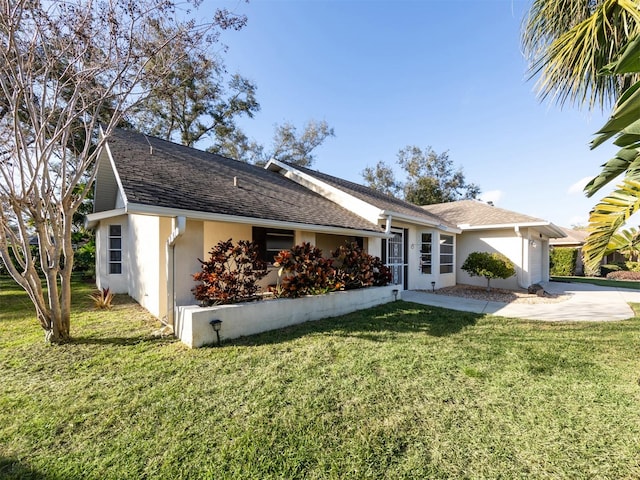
573 237
159 173
378 199
476 213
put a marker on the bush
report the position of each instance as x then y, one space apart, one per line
357 269
304 271
605 270
623 275
230 275
632 266
488 265
562 261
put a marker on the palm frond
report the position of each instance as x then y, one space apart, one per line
626 159
568 42
608 217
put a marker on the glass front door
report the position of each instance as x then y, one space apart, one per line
395 257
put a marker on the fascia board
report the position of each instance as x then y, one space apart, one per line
422 221
355 205
93 219
547 226
135 208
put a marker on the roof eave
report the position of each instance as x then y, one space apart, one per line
421 221
553 230
141 209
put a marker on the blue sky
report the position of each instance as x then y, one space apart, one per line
446 74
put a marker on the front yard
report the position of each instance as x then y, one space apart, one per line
399 391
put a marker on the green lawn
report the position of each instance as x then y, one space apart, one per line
399 391
603 282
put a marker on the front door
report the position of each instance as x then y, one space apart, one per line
396 257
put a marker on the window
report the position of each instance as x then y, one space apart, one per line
446 253
271 241
115 249
425 253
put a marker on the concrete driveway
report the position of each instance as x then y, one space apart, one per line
586 303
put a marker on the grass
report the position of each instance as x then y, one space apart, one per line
603 282
399 391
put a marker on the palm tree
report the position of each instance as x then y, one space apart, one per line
568 42
587 52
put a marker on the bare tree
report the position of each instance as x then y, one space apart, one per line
67 69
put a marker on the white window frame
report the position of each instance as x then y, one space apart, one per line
114 265
447 259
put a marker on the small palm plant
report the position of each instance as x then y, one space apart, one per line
102 299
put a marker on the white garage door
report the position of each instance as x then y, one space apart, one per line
535 261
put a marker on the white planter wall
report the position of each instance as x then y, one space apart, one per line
193 328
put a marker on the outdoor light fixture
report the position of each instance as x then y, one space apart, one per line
395 294
433 286
217 325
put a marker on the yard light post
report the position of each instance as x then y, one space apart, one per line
217 325
433 287
395 294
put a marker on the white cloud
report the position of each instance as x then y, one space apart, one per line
578 187
492 196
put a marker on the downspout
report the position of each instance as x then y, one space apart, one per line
387 226
179 226
522 247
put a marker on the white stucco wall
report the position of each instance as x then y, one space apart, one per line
146 265
531 262
416 279
193 328
187 250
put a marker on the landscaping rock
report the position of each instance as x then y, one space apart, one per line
536 289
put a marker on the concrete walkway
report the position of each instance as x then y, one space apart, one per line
586 303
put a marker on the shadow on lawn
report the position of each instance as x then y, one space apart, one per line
120 341
380 324
10 468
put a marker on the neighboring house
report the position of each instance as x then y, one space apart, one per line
574 239
159 207
485 228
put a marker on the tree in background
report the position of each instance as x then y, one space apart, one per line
66 67
288 145
194 101
382 179
430 178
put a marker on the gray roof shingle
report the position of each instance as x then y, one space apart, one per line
378 199
476 213
160 173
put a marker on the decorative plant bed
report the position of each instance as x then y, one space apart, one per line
193 322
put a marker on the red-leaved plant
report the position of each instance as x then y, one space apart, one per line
304 271
357 269
230 275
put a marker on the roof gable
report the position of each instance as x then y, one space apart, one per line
158 173
474 214
385 204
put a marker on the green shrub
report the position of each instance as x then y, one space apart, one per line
230 275
605 270
488 265
562 261
633 266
